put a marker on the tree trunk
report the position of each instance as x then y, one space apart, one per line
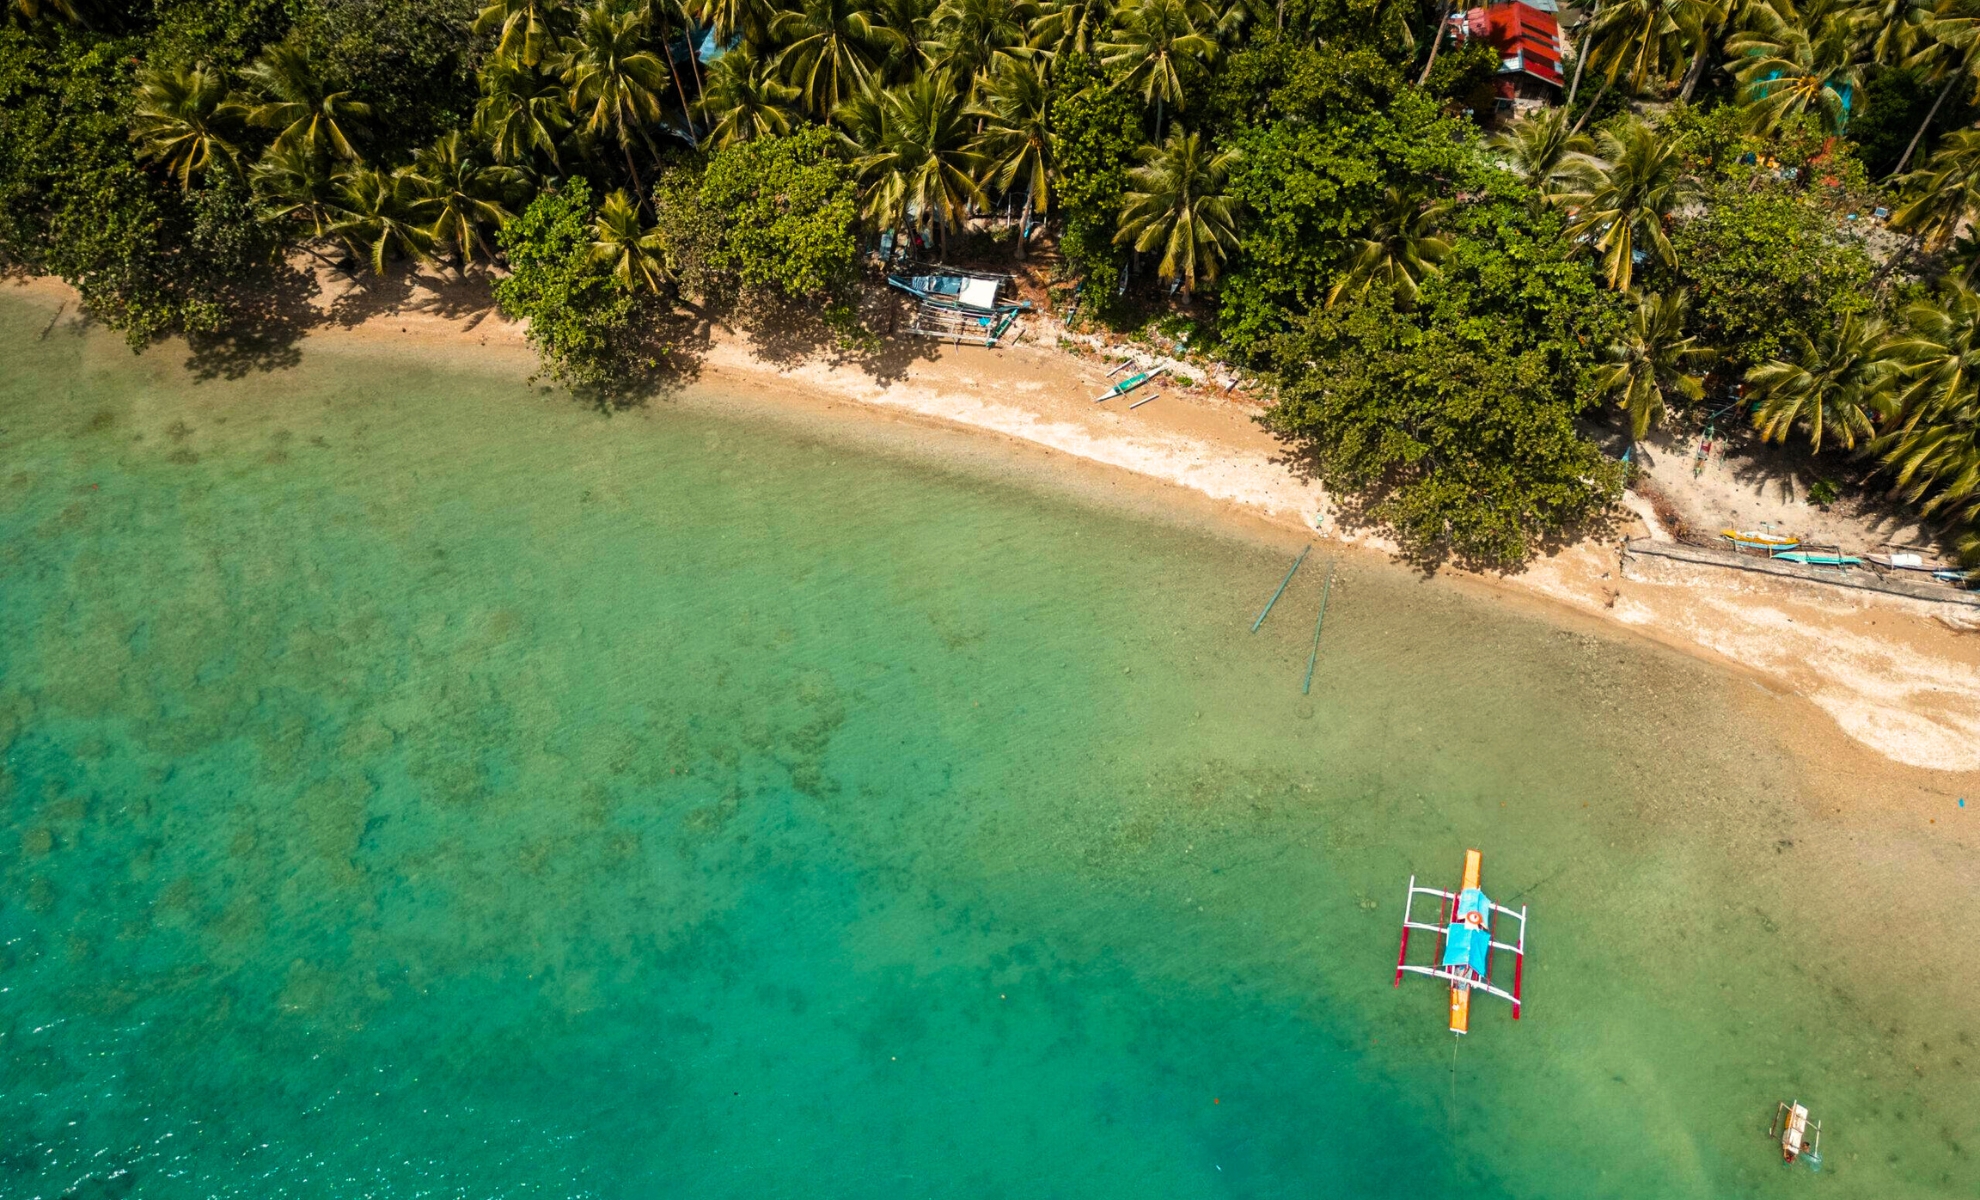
687 114
1592 106
1158 118
1923 126
1580 62
1697 71
1024 224
1436 40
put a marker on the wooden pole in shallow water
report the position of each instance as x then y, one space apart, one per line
1282 588
1314 657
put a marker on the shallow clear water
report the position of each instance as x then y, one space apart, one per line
415 786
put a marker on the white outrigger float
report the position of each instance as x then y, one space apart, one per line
1464 957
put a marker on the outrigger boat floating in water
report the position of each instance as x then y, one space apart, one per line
1464 957
1799 1138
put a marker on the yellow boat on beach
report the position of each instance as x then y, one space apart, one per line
1750 539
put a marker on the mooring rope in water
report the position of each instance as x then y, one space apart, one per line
1314 657
1282 588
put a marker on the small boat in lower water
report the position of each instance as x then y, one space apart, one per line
1464 956
1753 539
1800 1138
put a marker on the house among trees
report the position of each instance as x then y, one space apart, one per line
1528 39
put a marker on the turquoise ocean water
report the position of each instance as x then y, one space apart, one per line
416 786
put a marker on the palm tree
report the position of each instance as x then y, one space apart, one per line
1835 386
1650 358
1072 26
1948 47
1931 443
923 168
520 113
748 20
180 112
1538 146
1788 68
30 11
832 47
1154 46
459 195
375 215
1699 23
745 100
1622 198
1637 41
1940 196
1402 247
1016 142
291 97
614 82
294 184
661 14
971 38
1937 358
1175 204
527 36
636 256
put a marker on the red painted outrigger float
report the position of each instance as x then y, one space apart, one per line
1465 949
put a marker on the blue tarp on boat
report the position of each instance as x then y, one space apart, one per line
1467 947
1473 900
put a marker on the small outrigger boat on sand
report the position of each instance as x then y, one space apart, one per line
1799 1138
1464 957
1754 539
1816 558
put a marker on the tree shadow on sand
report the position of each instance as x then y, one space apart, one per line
271 315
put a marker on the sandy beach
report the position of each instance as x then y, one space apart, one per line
1899 676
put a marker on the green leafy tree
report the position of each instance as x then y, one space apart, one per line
1400 247
1453 425
788 212
578 317
182 114
1766 268
1620 198
1834 388
1327 141
745 100
635 255
1175 206
1652 358
1096 132
290 96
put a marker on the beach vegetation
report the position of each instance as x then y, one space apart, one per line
1776 196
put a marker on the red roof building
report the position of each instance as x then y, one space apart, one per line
1528 41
